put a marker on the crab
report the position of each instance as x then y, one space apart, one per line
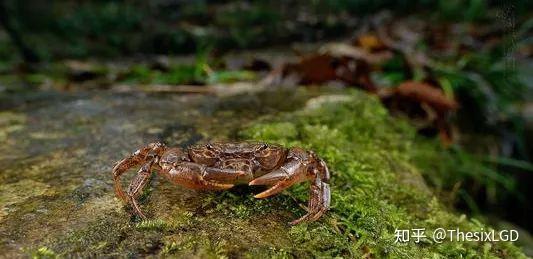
221 165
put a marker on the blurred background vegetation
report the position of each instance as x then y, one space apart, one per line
80 29
486 172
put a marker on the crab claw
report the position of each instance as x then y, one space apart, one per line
282 178
297 171
279 187
270 178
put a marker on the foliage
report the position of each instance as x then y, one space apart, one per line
184 74
70 29
250 25
491 83
458 170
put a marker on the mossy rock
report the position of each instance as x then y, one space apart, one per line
376 187
65 163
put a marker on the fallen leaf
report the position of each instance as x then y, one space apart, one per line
427 106
322 68
423 93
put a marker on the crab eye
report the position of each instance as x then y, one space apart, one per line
212 146
263 150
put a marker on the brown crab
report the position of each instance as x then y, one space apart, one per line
218 166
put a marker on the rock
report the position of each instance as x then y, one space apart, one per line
57 198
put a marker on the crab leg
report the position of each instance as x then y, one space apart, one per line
319 201
121 167
319 194
137 184
138 157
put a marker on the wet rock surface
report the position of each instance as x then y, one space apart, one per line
56 191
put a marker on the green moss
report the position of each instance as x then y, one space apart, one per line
197 247
9 123
274 130
186 246
43 253
183 219
375 188
152 224
14 193
171 248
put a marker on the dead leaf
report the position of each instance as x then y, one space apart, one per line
423 93
427 106
314 69
322 68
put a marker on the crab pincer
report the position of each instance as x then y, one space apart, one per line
302 166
